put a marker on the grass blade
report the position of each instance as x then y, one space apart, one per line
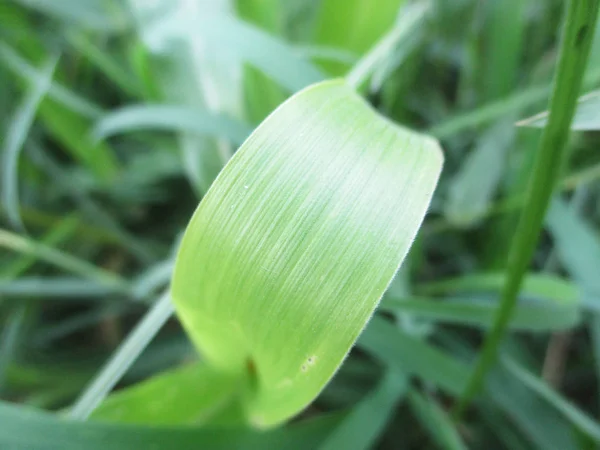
405 353
528 316
574 52
123 358
541 286
61 288
411 18
435 420
587 115
64 261
62 95
16 134
169 118
361 427
579 419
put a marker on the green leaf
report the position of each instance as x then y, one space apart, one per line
474 185
578 418
401 352
187 395
26 428
169 118
529 316
289 253
578 247
366 421
435 420
543 427
587 115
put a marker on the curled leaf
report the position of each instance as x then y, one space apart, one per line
292 248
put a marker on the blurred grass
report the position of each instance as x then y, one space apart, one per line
101 217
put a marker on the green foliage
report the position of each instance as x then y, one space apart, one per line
117 116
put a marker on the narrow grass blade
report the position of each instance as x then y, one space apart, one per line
474 185
10 336
435 420
16 134
399 351
170 118
26 428
529 414
528 316
191 394
578 418
500 108
58 234
574 52
542 286
411 18
55 287
361 427
587 115
310 219
123 358
22 69
106 63
64 261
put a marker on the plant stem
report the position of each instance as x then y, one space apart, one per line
574 51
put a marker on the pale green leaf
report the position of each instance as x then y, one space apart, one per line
542 286
170 118
578 247
290 251
529 315
587 115
187 395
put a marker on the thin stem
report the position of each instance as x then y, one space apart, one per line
574 51
123 358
